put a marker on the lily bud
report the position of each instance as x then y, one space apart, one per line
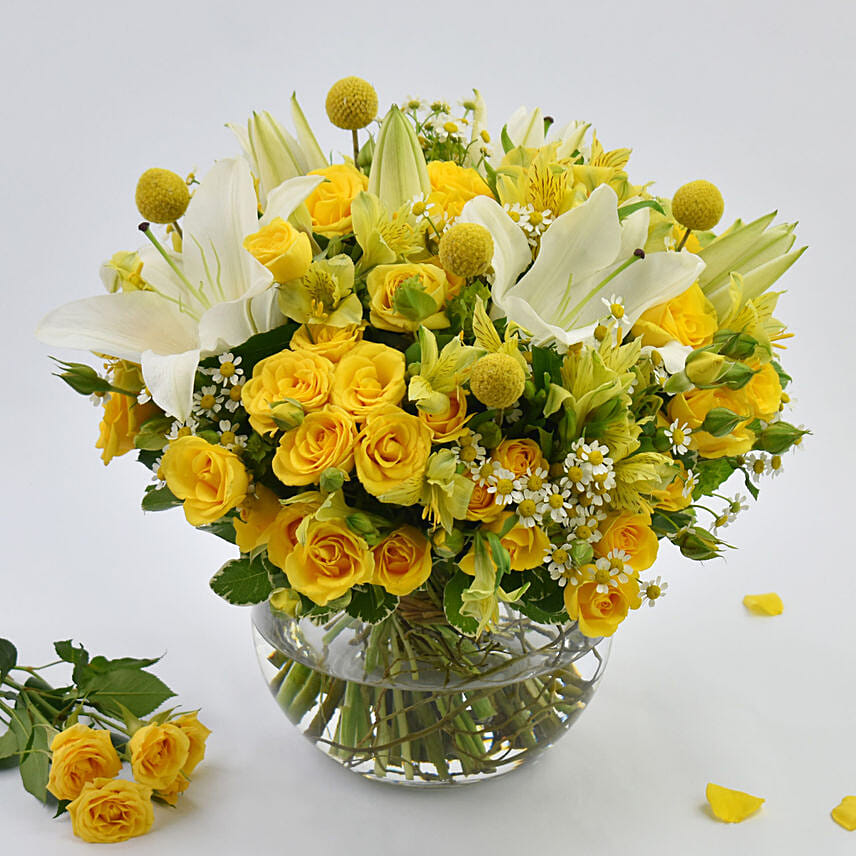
398 170
737 376
287 414
698 544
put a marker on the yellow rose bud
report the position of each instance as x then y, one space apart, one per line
286 414
330 203
285 600
402 561
452 186
210 479
526 545
197 733
689 318
331 560
120 424
370 375
600 613
158 754
520 456
327 341
325 438
285 251
257 514
705 367
692 407
392 450
631 533
450 424
114 810
282 538
300 375
80 755
384 281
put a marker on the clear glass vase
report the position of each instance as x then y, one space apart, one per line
412 701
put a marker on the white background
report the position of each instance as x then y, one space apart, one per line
756 96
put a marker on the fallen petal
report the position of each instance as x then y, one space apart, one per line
764 604
731 806
844 814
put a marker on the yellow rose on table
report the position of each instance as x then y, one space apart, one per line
689 318
402 561
330 561
171 794
327 341
520 456
452 186
79 755
197 733
632 533
384 281
301 375
257 514
370 375
210 479
600 613
111 810
392 450
691 408
285 251
158 754
450 424
282 538
526 545
483 505
325 438
330 203
764 392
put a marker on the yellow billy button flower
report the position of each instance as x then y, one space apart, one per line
466 249
114 810
497 380
158 754
80 755
351 103
162 196
844 814
731 806
764 604
698 205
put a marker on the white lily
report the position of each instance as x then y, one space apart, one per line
212 296
585 251
526 127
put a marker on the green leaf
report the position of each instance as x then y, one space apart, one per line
33 739
139 691
101 665
711 474
452 604
159 498
243 581
9 746
371 603
507 144
412 302
546 367
499 554
627 210
152 434
262 345
750 485
223 528
8 657
544 600
66 651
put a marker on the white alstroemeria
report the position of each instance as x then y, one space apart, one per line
208 298
585 253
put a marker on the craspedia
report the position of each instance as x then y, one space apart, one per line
497 380
698 205
162 196
466 249
351 103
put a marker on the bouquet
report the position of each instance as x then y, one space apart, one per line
435 386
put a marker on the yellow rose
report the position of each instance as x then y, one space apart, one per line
197 733
688 318
330 203
631 533
301 375
452 186
520 456
600 613
392 450
451 424
332 560
114 810
326 341
283 534
80 755
123 414
370 375
673 498
179 786
526 546
285 251
258 513
158 754
324 439
483 505
384 281
402 561
764 392
691 407
210 479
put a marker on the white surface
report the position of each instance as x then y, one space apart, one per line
755 96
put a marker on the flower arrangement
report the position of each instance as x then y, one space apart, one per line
439 379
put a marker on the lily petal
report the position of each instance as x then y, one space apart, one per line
312 152
284 199
169 379
526 127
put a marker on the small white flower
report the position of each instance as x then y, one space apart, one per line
653 590
229 371
98 398
615 307
183 429
208 401
156 473
690 483
527 513
557 503
229 436
233 397
518 214
617 563
513 415
501 485
679 435
484 473
559 562
531 485
144 396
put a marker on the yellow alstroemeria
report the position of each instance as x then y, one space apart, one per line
731 806
764 604
445 493
323 295
440 373
385 238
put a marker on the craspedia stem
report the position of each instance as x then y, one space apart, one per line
356 142
683 241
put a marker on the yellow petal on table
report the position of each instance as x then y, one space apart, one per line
764 604
731 806
844 814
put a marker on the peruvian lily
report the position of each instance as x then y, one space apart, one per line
210 297
586 253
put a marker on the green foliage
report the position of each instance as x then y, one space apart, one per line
544 601
152 436
452 603
460 310
257 347
711 474
244 581
8 657
546 367
371 603
223 528
412 302
159 498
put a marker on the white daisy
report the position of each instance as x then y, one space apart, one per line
532 485
208 401
144 396
652 591
615 307
229 436
679 435
229 371
483 472
690 482
559 562
617 562
527 513
183 429
518 214
557 502
233 401
775 466
513 415
501 485
97 398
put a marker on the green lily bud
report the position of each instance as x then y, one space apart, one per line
447 544
705 368
332 480
721 421
398 170
286 600
490 434
778 437
287 414
529 390
581 553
